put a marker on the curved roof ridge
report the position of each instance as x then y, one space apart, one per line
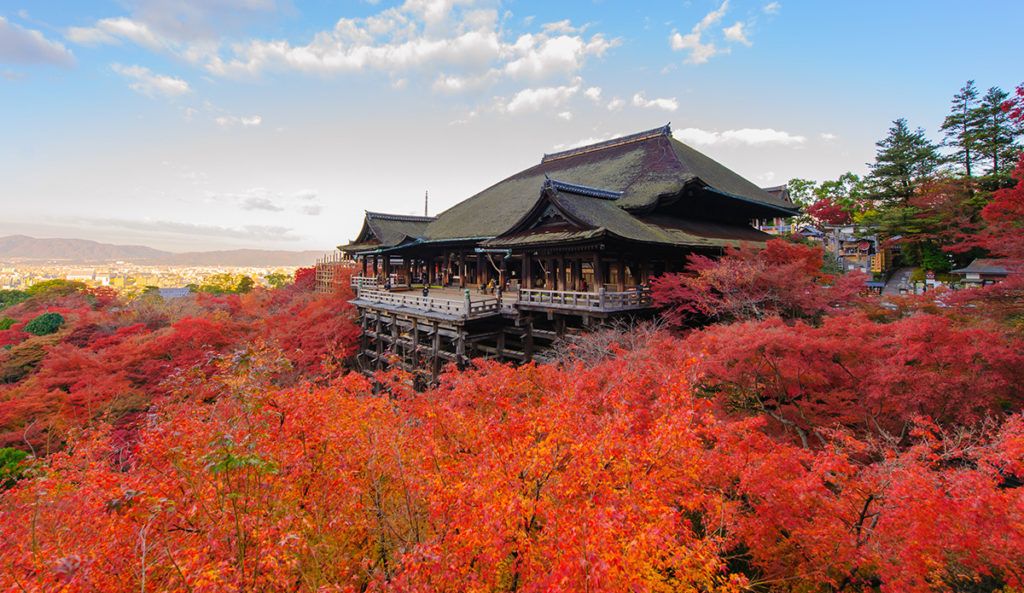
399 217
583 190
664 130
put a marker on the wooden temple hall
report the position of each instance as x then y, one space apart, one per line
554 249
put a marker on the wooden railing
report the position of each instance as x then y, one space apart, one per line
461 308
602 300
373 282
358 282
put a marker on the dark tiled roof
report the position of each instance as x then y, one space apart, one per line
984 266
601 217
387 230
640 168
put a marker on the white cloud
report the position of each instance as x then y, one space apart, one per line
560 27
772 8
227 121
463 49
566 115
736 34
151 84
112 31
26 46
540 56
616 104
593 93
446 84
828 137
700 52
667 103
747 136
538 99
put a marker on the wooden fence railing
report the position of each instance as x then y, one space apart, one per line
602 300
458 307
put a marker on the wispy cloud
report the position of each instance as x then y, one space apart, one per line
114 30
736 34
666 103
227 121
152 84
772 8
29 47
748 136
538 99
700 52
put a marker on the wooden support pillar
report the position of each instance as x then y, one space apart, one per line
528 339
620 268
598 272
394 334
364 266
460 348
527 281
364 340
462 269
435 352
415 358
377 338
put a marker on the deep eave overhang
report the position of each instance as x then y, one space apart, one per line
784 211
420 243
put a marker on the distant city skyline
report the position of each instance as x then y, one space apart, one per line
221 124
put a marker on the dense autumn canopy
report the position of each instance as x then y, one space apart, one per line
778 433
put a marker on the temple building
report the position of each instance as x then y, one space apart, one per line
553 249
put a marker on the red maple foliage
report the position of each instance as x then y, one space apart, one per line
826 211
748 283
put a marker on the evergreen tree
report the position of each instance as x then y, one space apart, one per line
997 133
903 161
962 127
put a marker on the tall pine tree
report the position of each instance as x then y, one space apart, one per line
961 127
997 134
905 158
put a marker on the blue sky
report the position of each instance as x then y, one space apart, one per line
208 124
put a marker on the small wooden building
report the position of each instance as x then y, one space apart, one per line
573 239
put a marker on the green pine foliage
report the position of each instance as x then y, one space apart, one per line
45 324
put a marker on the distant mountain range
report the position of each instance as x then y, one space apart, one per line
75 251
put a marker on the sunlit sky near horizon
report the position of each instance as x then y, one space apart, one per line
220 124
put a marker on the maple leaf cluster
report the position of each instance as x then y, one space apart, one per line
108 361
